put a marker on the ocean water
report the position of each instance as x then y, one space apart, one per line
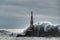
29 38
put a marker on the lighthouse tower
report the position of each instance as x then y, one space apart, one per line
31 22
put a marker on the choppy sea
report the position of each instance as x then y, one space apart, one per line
29 38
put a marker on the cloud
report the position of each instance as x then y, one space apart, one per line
20 10
49 7
47 17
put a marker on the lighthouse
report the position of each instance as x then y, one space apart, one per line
31 22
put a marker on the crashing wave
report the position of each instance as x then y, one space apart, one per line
11 32
47 26
41 26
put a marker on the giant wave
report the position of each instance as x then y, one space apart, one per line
47 26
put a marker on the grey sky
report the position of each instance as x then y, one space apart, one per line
17 12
